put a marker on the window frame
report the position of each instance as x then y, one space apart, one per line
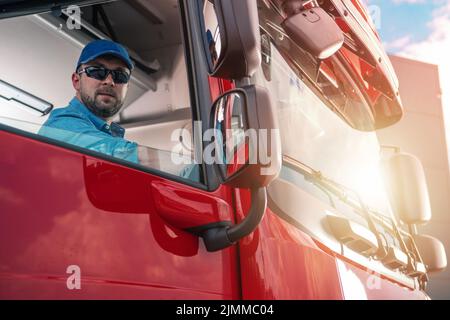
194 95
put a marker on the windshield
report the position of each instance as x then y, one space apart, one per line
314 135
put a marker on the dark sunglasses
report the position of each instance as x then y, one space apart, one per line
100 73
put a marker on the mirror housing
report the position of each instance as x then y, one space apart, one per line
315 31
432 252
243 110
240 54
257 160
407 188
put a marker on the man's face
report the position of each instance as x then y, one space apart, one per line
103 97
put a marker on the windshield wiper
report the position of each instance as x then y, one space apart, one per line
343 193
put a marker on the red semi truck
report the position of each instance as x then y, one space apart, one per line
312 220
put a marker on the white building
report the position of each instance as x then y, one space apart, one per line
422 132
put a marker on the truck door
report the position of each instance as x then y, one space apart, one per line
80 224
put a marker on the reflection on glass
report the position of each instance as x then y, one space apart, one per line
212 32
230 125
313 134
179 164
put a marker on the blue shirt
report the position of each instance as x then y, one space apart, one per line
77 125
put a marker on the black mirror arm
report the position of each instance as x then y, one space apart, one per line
222 237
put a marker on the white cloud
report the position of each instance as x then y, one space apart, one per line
398 44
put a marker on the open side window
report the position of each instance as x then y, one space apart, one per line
41 56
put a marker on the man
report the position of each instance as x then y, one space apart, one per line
101 80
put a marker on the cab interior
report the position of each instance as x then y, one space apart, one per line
42 50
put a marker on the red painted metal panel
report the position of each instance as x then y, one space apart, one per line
278 261
48 222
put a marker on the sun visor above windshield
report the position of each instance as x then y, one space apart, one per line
360 70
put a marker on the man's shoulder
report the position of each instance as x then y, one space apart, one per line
67 113
66 118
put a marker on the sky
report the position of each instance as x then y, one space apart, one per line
418 29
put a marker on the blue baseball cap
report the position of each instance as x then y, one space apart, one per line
102 47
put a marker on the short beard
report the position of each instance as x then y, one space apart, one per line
100 112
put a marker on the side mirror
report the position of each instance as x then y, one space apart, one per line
247 153
247 139
313 30
432 252
407 187
232 38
